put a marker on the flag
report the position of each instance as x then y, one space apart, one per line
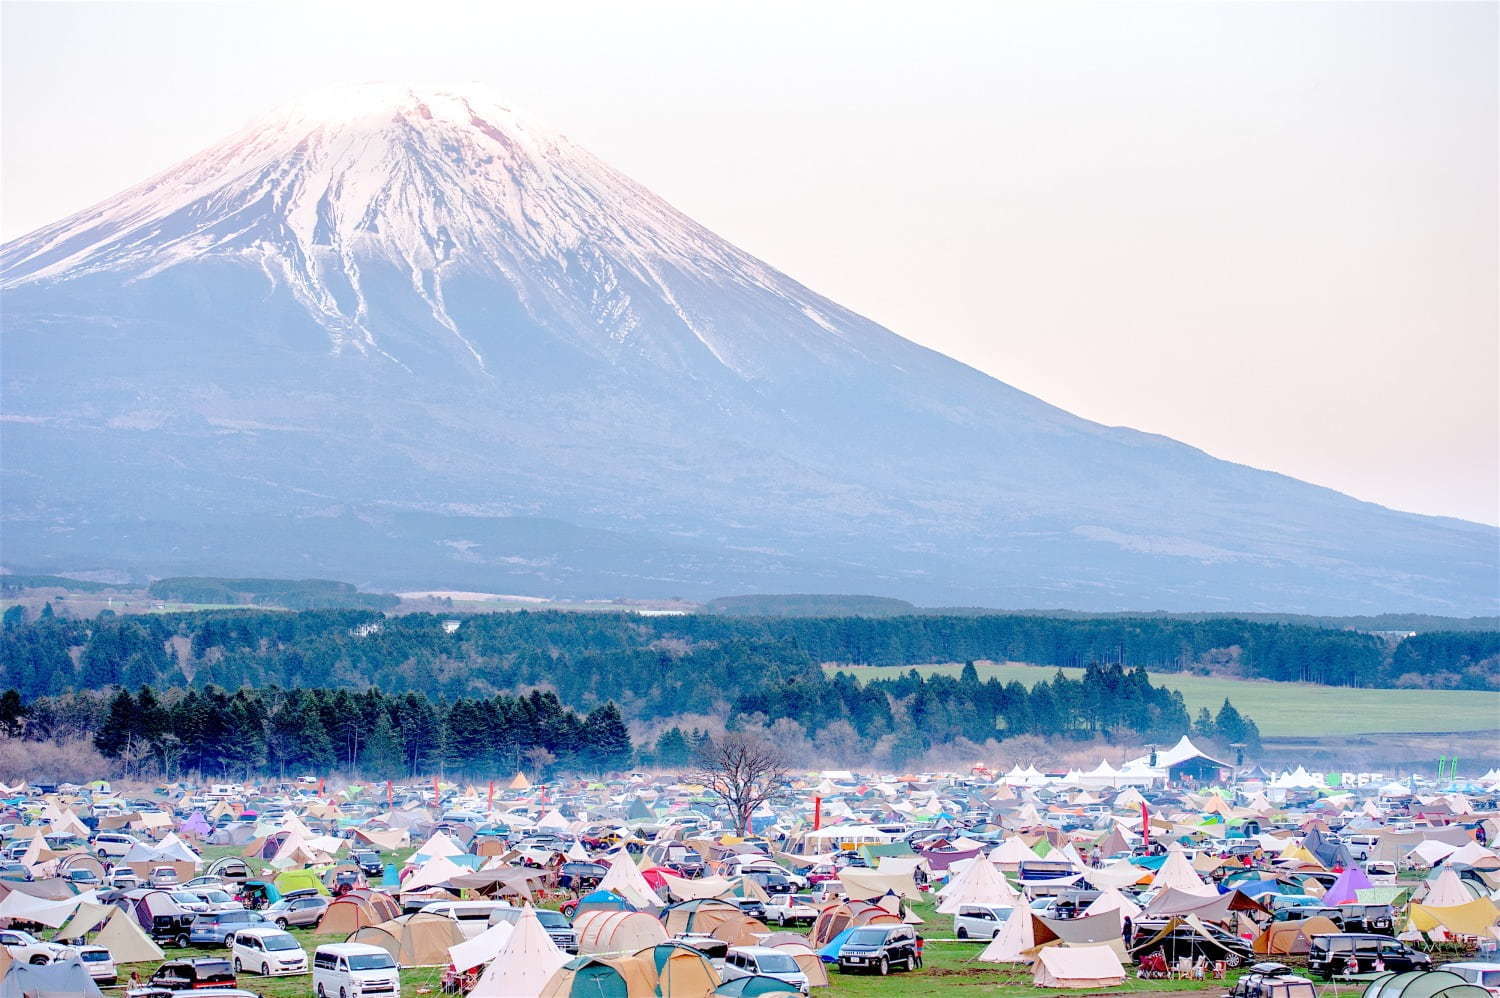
1145 823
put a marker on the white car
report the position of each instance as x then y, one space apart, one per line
354 968
791 909
113 844
26 948
1382 873
100 964
1478 973
763 961
980 921
267 951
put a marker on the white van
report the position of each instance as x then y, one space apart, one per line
473 917
750 961
346 969
1382 873
980 921
1361 846
268 951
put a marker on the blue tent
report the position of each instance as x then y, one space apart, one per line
830 953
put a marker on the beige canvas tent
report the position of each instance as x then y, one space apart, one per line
125 940
617 932
419 940
1084 967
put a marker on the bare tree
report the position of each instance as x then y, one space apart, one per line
743 769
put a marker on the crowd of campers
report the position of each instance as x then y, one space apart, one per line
638 887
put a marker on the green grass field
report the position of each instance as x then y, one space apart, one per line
1280 709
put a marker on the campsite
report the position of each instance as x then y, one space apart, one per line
1175 872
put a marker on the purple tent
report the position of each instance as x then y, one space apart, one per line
1343 889
196 825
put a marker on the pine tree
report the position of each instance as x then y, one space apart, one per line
382 756
606 740
118 727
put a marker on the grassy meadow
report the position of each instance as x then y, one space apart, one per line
1280 709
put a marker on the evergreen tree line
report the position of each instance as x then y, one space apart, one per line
319 731
297 731
661 666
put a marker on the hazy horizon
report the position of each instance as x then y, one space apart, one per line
1268 231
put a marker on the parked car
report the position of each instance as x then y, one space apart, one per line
764 961
217 928
164 876
26 948
99 963
113 845
1337 954
792 909
473 917
354 969
1302 914
270 952
1276 902
1382 873
123 879
297 913
83 880
14 871
878 948
1481 974
194 973
1378 918
1272 980
555 922
980 921
369 863
213 899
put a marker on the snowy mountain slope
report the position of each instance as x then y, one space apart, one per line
405 336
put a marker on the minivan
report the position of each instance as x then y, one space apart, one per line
1484 975
980 921
1336 955
473 917
270 952
1361 846
764 961
346 969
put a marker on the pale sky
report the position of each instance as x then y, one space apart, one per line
1268 230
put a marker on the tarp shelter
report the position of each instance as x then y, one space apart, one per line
1078 967
420 940
482 948
126 941
1474 918
679 971
26 907
1102 929
524 964
611 932
600 977
66 978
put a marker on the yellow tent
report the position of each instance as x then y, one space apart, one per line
520 782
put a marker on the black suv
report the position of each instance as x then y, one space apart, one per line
1376 918
879 948
1184 941
369 863
199 972
1355 953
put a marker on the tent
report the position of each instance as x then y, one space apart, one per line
126 941
524 964
420 940
355 910
482 948
1014 942
295 880
598 977
1292 938
1078 967
617 932
65 978
836 918
757 986
979 882
679 971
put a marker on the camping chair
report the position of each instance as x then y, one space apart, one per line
1184 968
1221 969
1200 968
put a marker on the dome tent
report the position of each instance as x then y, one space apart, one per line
600 977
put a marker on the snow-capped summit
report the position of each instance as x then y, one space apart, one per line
428 182
405 336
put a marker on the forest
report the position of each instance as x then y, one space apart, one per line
660 666
892 723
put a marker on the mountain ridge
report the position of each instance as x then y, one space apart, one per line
453 338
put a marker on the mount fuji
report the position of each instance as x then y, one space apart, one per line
406 337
